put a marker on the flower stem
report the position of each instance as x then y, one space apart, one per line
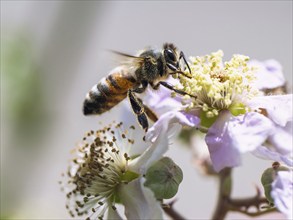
225 203
225 189
243 205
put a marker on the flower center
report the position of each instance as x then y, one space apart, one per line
98 171
218 85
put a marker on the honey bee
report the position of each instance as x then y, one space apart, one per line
151 67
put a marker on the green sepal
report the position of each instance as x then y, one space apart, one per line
164 178
268 178
205 121
128 176
116 198
237 109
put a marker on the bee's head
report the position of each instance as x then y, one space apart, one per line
171 56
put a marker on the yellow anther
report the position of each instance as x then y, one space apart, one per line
218 84
210 114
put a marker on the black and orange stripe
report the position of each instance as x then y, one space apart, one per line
109 92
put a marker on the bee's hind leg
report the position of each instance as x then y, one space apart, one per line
150 113
143 121
138 109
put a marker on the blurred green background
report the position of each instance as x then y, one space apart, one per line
53 52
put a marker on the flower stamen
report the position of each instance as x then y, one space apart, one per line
218 86
98 170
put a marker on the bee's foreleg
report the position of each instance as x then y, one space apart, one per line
184 59
167 85
181 73
138 109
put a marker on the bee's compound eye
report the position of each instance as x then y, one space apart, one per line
170 55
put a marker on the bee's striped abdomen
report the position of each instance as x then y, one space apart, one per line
108 92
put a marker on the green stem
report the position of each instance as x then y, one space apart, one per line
225 189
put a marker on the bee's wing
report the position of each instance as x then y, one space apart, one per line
127 59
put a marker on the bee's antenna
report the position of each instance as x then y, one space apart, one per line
184 59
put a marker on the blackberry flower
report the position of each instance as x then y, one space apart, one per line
234 113
105 173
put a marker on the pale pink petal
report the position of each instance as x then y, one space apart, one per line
278 107
269 74
168 120
282 139
231 136
266 153
282 193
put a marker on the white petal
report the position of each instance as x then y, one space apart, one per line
278 107
153 153
220 144
161 101
282 192
282 139
168 120
267 154
140 202
129 118
231 136
113 215
159 136
269 74
250 131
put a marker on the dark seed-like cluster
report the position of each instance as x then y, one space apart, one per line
95 174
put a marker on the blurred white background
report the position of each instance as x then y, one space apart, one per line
53 52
